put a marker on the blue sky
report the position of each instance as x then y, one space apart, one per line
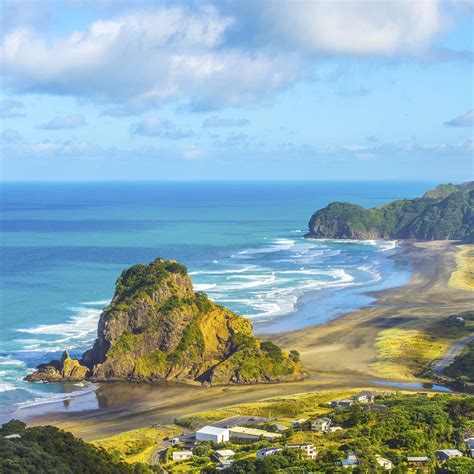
237 90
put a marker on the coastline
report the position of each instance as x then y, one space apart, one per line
339 353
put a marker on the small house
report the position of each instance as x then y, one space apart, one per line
224 464
308 449
447 454
321 424
351 460
265 452
332 429
182 455
224 454
13 436
365 397
417 461
212 433
383 462
346 403
469 442
299 422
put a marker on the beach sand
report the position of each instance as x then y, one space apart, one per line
339 354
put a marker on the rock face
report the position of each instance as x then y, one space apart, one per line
444 213
64 370
158 329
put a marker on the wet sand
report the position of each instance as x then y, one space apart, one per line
340 351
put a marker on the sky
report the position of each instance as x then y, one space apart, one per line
237 90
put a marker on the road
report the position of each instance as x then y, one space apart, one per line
438 367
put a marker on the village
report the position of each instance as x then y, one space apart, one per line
228 444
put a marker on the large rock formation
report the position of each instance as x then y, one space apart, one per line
158 329
444 213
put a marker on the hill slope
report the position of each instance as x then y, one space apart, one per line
158 329
445 213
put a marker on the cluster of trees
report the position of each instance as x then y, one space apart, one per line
462 368
47 449
437 216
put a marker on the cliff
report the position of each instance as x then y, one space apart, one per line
158 329
445 213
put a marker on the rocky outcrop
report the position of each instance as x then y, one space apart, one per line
64 370
445 213
158 329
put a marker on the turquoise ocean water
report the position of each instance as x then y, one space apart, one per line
64 244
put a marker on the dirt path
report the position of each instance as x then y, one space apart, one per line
440 366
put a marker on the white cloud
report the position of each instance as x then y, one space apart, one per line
66 122
153 126
363 27
10 108
218 122
211 58
463 120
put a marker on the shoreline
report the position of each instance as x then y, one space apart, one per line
338 353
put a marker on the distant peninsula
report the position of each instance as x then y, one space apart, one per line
158 329
443 213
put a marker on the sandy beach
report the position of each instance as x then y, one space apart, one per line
339 353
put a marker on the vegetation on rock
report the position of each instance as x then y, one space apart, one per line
158 329
66 369
445 213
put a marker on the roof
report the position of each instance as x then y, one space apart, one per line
253 432
418 458
225 452
267 450
212 430
297 445
324 418
13 436
450 452
188 453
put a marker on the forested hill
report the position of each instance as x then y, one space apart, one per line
443 213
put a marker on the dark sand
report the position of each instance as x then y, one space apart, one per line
341 350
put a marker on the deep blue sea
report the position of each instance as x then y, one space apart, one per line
64 244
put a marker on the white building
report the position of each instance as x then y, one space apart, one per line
265 452
299 422
383 462
321 424
446 454
222 454
469 442
182 455
308 449
212 433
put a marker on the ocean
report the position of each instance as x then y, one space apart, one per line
64 244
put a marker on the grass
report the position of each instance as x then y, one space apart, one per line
283 408
463 277
137 445
404 352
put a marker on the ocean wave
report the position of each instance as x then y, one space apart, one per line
203 286
6 387
277 246
96 303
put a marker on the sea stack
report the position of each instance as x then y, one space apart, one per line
158 329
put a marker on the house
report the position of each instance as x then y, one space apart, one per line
332 429
417 461
383 462
321 424
224 454
299 422
241 434
212 433
308 449
364 397
351 461
471 453
469 442
447 454
265 452
13 436
182 455
346 403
